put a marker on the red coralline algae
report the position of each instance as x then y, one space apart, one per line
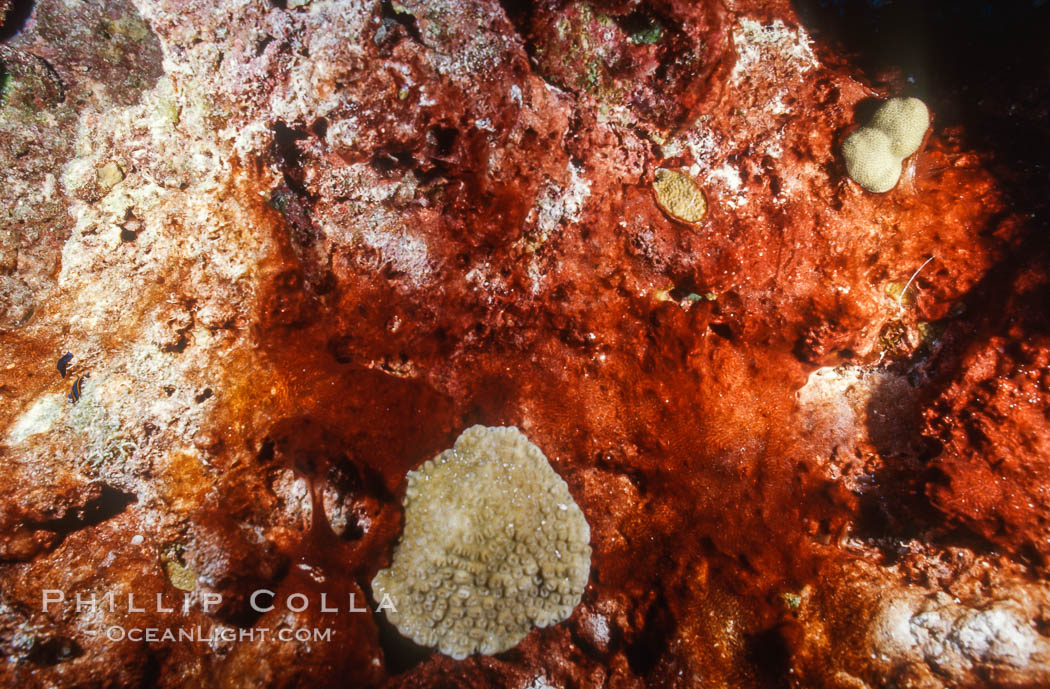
344 232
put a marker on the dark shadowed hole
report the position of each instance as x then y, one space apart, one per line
645 651
1030 556
53 651
722 330
865 109
680 293
640 26
930 449
895 507
326 283
284 138
771 656
287 153
178 348
361 479
517 11
16 18
261 46
353 530
443 140
243 615
340 347
403 18
266 452
151 669
401 654
107 505
387 162
320 127
344 476
127 235
204 394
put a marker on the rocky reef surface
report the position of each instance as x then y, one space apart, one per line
300 245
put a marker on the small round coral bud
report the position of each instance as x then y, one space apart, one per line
869 161
904 121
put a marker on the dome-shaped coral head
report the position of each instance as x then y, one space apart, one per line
869 161
493 546
904 121
874 153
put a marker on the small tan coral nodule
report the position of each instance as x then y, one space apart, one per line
493 546
679 196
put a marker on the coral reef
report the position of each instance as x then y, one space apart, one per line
302 246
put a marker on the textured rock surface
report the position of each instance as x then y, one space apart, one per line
300 246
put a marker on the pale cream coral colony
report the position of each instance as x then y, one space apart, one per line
874 153
493 546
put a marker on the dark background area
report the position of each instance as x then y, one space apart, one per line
982 65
